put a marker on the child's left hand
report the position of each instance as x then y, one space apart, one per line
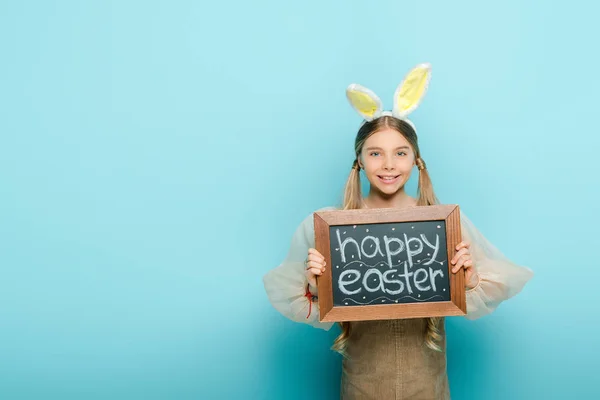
462 259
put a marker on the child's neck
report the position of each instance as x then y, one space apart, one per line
398 200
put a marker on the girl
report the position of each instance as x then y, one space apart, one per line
405 358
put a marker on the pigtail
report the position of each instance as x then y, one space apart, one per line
426 197
433 335
352 201
341 341
352 192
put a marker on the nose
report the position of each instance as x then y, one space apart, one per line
388 164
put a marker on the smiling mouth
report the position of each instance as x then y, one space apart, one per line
388 179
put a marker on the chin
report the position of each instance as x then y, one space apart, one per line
390 191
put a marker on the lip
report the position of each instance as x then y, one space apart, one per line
388 182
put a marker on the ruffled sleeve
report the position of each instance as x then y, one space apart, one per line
499 278
286 284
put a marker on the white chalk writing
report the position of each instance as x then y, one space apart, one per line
412 274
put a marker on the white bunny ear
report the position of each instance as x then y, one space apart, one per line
411 90
364 101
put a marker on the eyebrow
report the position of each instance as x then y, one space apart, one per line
379 148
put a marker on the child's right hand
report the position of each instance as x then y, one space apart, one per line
315 265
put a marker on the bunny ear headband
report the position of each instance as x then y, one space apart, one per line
407 97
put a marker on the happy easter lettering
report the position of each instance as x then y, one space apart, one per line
390 267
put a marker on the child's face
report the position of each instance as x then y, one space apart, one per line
387 159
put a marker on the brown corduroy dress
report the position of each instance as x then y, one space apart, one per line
388 360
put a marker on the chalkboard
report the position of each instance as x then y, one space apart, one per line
389 263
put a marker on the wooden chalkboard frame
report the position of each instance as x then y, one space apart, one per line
449 213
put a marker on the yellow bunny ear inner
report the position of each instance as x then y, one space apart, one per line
410 92
364 101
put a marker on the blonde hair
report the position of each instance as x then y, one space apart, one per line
353 200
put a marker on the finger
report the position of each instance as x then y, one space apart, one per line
315 271
315 255
316 258
315 265
315 252
459 254
460 263
463 244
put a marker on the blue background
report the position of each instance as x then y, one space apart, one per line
156 157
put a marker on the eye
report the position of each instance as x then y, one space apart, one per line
374 153
401 153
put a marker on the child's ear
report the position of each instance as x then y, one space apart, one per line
360 163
